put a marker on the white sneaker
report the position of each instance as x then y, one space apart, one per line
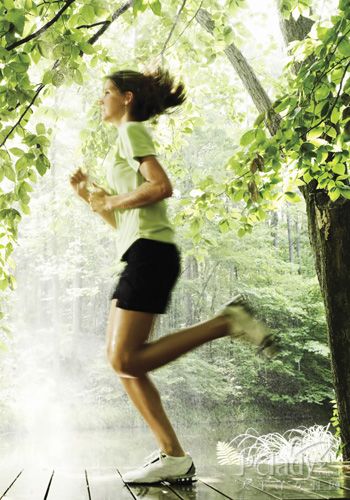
247 328
162 467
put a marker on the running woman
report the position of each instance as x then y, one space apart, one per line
136 209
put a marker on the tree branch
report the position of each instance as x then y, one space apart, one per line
115 15
187 25
246 74
48 3
42 29
90 25
23 114
172 29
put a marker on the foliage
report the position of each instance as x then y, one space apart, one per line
335 423
311 144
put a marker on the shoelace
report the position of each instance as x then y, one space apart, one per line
150 458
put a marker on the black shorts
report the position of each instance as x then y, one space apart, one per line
147 280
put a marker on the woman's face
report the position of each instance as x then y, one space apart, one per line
113 103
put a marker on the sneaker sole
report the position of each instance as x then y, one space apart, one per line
189 477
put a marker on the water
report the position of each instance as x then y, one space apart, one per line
122 447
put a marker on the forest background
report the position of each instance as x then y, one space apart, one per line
63 268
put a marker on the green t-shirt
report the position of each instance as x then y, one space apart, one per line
123 176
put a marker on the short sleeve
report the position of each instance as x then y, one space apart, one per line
136 141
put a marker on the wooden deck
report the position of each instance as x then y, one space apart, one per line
287 481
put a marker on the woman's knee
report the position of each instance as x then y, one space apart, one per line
124 365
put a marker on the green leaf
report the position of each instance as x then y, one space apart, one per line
9 172
78 77
339 169
47 78
260 118
322 92
57 78
307 177
25 208
344 47
325 109
19 67
261 214
271 150
87 14
316 132
293 197
345 193
35 55
17 151
238 195
334 194
44 49
17 18
42 164
323 33
332 132
224 226
210 214
247 138
307 146
335 115
281 106
40 128
260 135
87 48
3 285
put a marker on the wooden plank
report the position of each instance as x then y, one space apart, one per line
197 489
68 484
289 487
336 482
148 492
32 484
8 476
228 481
107 484
296 481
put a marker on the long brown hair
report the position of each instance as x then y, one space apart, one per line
154 92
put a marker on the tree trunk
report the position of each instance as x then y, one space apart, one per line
274 230
328 224
330 242
290 239
297 239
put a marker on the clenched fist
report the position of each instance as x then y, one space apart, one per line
79 182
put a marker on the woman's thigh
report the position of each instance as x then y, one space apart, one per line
126 332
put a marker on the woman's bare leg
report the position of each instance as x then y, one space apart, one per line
132 356
146 398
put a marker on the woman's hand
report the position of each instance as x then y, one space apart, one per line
79 182
100 201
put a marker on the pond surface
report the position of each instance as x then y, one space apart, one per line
122 446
